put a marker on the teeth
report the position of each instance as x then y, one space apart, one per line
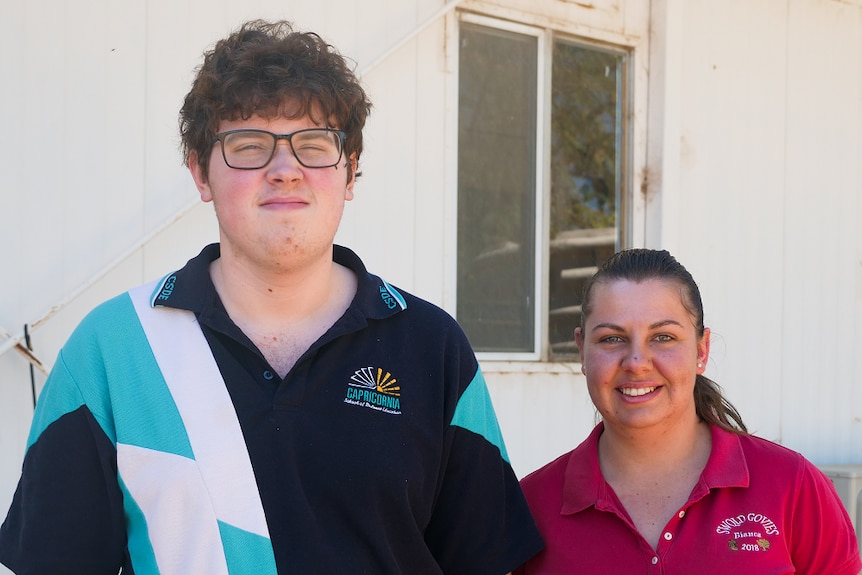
636 391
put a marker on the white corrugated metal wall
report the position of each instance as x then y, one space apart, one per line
770 199
748 130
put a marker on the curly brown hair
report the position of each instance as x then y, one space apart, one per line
269 69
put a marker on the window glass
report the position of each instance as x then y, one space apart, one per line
497 188
499 274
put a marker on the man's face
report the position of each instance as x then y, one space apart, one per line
282 215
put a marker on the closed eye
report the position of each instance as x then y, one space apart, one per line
250 147
307 146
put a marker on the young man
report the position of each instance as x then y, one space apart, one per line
271 407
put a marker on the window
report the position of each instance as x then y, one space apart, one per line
540 187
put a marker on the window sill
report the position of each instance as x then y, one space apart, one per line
528 367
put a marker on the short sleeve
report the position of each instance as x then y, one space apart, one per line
823 539
481 522
66 514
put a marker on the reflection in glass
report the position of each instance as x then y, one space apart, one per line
585 182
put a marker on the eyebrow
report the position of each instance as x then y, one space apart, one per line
656 325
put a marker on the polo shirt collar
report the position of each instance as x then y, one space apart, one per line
191 287
584 486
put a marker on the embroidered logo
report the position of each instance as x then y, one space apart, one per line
387 298
748 532
390 296
375 389
167 288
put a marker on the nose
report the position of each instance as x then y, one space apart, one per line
636 358
284 165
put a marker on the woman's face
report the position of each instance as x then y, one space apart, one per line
641 352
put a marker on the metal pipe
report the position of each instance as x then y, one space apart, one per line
14 341
447 7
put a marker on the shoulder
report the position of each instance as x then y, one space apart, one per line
377 298
549 475
770 463
574 476
116 316
113 330
424 317
770 457
107 320
427 309
543 488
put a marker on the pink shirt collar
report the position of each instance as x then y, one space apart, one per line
584 485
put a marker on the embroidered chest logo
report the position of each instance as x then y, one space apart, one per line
748 532
374 388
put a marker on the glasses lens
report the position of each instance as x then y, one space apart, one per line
317 148
248 149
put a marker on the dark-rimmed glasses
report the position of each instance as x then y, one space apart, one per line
253 149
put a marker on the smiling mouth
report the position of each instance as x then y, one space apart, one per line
636 391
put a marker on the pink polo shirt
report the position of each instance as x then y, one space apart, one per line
759 508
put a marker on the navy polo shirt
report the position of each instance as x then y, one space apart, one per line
379 452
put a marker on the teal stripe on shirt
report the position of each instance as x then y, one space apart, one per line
140 548
109 363
475 413
246 553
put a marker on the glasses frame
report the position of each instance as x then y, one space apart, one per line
342 136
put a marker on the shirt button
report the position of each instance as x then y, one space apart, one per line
681 514
268 375
668 536
655 560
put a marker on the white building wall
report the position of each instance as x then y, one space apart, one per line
749 139
768 209
732 160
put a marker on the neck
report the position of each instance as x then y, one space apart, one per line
624 452
283 311
262 295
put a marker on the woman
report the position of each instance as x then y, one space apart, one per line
670 481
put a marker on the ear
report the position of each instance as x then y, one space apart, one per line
354 165
703 351
579 341
200 177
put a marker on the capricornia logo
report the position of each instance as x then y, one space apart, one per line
374 388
